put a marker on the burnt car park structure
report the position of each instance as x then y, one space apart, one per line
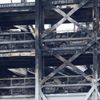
39 63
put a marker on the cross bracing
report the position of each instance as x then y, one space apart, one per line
56 59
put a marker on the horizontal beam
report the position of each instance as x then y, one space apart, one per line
18 79
16 52
17 87
14 33
16 5
67 85
53 2
69 96
17 42
66 39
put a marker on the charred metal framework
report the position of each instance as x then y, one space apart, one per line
56 59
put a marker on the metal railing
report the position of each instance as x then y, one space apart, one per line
17 86
58 84
16 41
67 84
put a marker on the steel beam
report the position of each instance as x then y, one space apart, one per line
68 85
95 48
17 42
96 89
89 93
32 29
68 64
62 13
21 28
66 16
38 56
66 39
43 96
72 67
94 36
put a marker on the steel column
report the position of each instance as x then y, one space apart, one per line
38 56
95 91
95 49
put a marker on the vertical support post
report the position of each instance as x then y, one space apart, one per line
11 86
38 55
95 48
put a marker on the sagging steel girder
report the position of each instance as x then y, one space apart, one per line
66 63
